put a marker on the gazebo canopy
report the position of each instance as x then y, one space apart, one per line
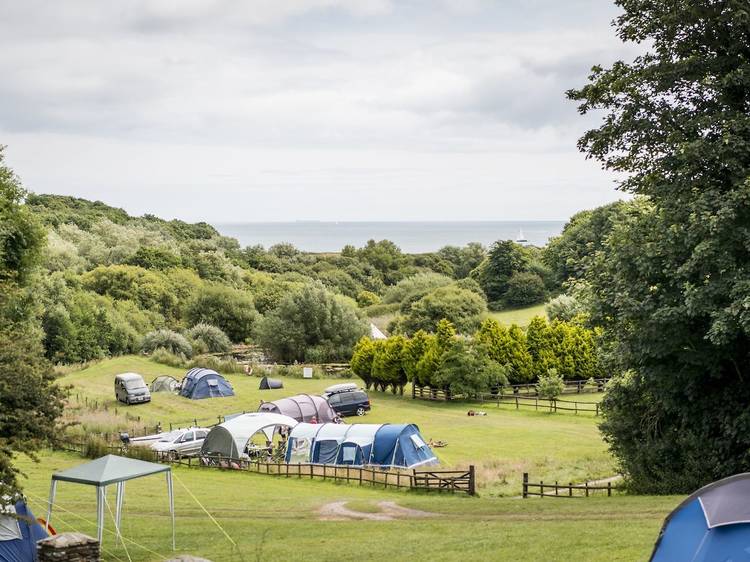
109 469
106 470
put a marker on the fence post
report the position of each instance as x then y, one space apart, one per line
525 489
541 488
516 401
597 409
609 488
586 484
556 488
570 489
472 484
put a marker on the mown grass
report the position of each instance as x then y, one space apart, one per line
502 445
520 316
277 519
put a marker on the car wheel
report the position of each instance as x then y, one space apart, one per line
360 411
172 456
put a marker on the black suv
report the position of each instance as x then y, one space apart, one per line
349 403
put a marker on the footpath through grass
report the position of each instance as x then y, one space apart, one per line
277 519
502 445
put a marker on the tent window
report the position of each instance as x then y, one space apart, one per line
349 454
418 442
213 382
9 528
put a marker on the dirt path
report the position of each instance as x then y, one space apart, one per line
337 511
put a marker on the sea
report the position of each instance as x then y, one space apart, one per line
411 237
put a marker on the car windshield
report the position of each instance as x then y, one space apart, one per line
134 385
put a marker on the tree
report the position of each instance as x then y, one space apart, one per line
670 288
507 347
413 351
312 324
206 338
429 364
539 345
362 357
505 258
388 365
463 308
465 369
563 307
29 400
231 310
550 385
525 288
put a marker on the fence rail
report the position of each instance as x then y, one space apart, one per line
570 490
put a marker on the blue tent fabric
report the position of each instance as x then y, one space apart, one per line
205 383
710 525
400 445
23 549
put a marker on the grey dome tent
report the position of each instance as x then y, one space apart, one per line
164 383
268 384
230 438
103 472
302 407
205 383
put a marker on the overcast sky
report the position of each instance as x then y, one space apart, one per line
271 110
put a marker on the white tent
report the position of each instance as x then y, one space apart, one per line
376 333
230 438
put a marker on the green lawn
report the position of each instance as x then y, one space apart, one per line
277 519
502 445
520 316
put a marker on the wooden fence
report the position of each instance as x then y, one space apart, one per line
557 490
547 405
571 387
416 479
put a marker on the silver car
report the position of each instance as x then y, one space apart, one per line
181 442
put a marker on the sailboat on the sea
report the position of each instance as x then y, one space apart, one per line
521 238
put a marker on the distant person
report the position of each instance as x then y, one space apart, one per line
314 419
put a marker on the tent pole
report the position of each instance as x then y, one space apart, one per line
100 491
118 509
50 503
171 504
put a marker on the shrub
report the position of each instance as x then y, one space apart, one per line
210 338
231 310
466 369
563 307
551 385
463 308
367 298
166 357
166 339
524 289
415 286
217 364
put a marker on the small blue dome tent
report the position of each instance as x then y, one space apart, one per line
205 383
711 524
19 532
384 445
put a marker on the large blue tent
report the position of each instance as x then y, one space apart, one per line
713 524
205 383
384 445
19 532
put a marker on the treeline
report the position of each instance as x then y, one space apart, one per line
492 357
112 279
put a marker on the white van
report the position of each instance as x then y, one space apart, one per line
130 389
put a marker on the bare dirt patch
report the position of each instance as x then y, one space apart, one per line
337 511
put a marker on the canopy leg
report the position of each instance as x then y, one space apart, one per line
118 509
100 491
50 503
171 504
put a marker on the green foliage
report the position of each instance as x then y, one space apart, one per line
385 257
415 287
149 257
563 307
463 308
466 369
413 351
525 288
671 289
231 310
463 259
539 345
550 385
362 357
508 348
166 339
367 298
166 357
311 321
493 274
387 364
208 338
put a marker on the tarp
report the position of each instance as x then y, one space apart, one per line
302 407
164 383
266 384
205 383
384 445
19 532
230 438
107 470
711 524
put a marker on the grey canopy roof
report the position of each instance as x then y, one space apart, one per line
724 502
109 470
302 407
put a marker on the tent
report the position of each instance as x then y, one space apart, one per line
19 532
164 383
711 524
205 383
267 384
384 445
103 472
302 407
230 438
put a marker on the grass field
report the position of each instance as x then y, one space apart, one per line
278 519
520 316
502 445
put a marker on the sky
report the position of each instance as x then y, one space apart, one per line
278 110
